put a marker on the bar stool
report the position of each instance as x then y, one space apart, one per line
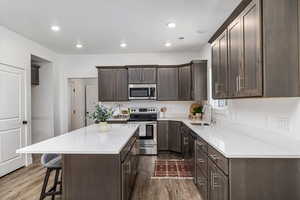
53 163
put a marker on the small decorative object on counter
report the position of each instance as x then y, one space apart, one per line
196 111
163 110
101 115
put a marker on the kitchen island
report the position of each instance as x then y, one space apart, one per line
96 165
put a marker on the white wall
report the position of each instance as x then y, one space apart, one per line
276 114
16 51
42 107
83 66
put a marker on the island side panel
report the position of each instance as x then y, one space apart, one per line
264 179
91 177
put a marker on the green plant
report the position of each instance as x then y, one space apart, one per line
198 110
102 114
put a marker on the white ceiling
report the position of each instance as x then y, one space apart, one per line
101 25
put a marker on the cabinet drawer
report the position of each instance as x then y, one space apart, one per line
201 162
218 159
201 145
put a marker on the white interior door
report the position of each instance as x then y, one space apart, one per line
77 105
91 94
12 113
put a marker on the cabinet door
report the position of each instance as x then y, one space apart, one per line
218 183
235 50
202 184
185 142
220 67
162 136
250 79
199 80
215 53
201 160
121 85
185 82
174 136
149 75
126 177
223 67
167 83
134 75
192 156
106 79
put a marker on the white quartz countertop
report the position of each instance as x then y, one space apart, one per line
241 141
88 140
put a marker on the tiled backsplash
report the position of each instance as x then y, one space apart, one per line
174 108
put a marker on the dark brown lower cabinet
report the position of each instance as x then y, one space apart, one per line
162 135
169 136
185 142
99 176
174 136
218 183
202 185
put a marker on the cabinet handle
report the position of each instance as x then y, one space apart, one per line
214 157
201 181
129 168
237 84
185 140
199 145
201 160
214 176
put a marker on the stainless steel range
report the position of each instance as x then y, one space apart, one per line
147 119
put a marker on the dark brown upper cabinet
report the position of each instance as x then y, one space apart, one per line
235 54
281 48
35 74
167 83
113 84
250 76
263 50
142 75
220 67
199 80
185 83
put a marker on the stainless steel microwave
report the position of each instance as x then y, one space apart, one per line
142 91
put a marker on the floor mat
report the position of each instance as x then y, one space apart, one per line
172 169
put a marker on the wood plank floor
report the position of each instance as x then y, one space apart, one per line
26 183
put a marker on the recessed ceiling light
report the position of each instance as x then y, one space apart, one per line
79 46
171 25
168 44
123 45
55 28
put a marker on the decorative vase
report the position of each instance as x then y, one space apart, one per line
198 116
104 127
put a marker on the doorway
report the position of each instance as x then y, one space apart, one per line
42 99
83 97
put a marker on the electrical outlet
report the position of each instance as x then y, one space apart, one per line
279 123
284 123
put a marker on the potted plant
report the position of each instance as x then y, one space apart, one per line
198 112
101 115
